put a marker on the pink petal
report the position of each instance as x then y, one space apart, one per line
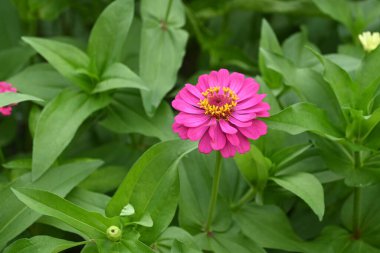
263 114
193 90
188 97
233 139
228 151
244 145
223 77
213 79
243 117
218 138
249 89
205 144
182 106
236 82
257 129
203 83
180 129
239 123
6 111
191 120
226 127
254 100
196 133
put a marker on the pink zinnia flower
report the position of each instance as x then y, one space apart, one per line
221 111
6 87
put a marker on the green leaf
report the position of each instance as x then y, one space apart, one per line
91 201
268 41
39 80
270 228
41 244
289 155
65 58
303 117
16 217
8 98
10 25
174 236
69 109
109 33
151 186
162 49
315 90
254 166
338 10
307 187
125 115
93 224
119 76
13 59
368 71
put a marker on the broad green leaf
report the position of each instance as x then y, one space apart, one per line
303 117
22 163
288 155
65 58
341 241
162 49
270 228
338 10
119 76
8 98
307 187
368 70
41 244
109 34
176 235
91 201
254 166
268 41
16 217
125 115
308 84
13 59
340 82
39 80
93 224
59 122
228 242
152 186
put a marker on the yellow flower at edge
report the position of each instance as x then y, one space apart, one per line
370 41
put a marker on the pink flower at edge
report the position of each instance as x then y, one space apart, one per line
6 87
221 111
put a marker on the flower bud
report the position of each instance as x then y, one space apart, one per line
114 233
370 41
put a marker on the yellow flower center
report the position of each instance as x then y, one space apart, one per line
218 104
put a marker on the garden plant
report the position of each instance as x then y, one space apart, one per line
189 126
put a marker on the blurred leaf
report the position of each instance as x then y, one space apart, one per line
40 9
69 109
16 217
307 187
303 117
162 49
109 33
93 224
152 186
10 25
13 59
118 76
39 80
8 98
65 58
126 115
41 244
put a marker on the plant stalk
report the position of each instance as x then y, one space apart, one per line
357 200
249 195
214 191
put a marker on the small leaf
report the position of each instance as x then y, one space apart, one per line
8 98
307 187
127 210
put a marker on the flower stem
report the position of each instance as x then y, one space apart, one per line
214 192
168 8
249 195
356 203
